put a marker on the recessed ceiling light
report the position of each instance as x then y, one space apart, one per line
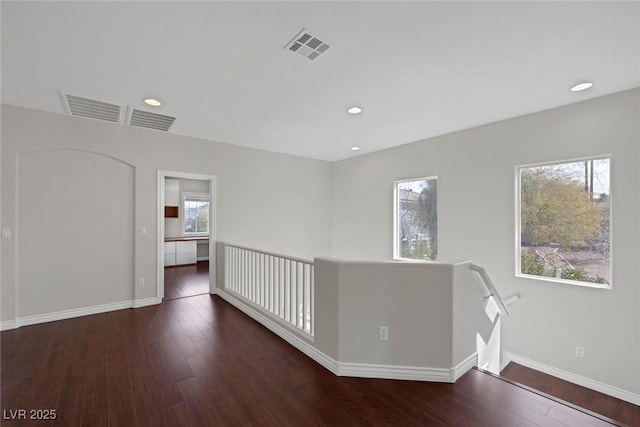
581 86
354 148
153 102
354 110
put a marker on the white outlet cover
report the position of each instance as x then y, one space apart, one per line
6 233
384 333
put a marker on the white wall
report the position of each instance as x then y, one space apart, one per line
193 186
75 212
476 196
265 200
413 300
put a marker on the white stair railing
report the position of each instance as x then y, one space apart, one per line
502 307
278 284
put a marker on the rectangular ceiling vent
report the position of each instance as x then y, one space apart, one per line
145 119
91 108
307 45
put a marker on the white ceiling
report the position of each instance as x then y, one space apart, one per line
419 69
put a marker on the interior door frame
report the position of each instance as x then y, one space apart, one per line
162 175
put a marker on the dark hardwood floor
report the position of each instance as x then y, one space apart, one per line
198 361
186 280
608 406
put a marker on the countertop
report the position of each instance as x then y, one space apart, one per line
185 238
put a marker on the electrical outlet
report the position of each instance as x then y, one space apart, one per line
580 352
6 233
384 333
140 281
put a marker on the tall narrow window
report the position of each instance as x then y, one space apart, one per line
416 219
195 213
564 223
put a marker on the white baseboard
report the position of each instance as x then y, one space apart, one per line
463 367
139 303
361 370
603 388
412 373
75 312
5 325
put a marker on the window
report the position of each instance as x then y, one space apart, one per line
416 219
195 216
564 224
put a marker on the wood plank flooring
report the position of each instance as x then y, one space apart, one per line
591 400
198 361
186 280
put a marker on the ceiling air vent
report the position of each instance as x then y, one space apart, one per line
145 119
307 45
91 108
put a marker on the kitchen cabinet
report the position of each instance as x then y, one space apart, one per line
171 198
180 252
171 212
169 253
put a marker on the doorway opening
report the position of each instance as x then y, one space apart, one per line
186 234
186 280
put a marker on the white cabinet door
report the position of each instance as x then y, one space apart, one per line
187 246
169 247
169 259
186 252
171 192
185 258
169 253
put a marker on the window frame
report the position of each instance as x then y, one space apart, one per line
194 196
396 224
518 222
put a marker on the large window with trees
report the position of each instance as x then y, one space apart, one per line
416 219
564 224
